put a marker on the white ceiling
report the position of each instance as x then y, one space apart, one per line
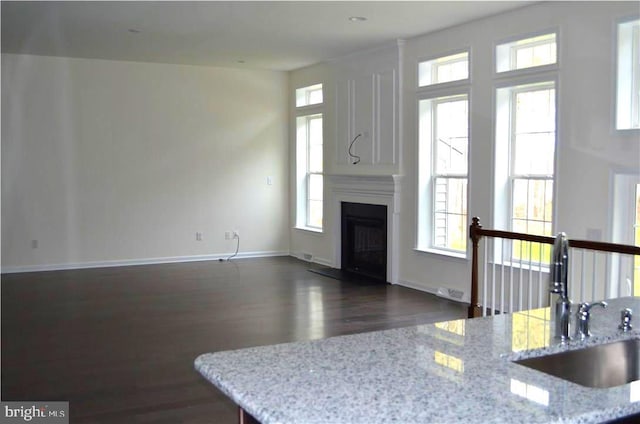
263 34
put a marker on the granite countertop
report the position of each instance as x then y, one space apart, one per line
450 372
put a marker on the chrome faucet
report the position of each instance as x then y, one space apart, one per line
625 320
584 315
559 285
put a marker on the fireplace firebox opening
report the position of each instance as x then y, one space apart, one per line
364 240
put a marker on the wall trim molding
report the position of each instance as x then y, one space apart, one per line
134 262
435 291
311 259
417 286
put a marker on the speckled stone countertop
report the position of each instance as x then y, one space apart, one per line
450 372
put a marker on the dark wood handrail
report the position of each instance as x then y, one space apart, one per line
578 244
605 247
476 232
480 232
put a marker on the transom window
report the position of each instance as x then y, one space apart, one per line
526 53
307 96
444 69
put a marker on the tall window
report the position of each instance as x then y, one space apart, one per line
309 158
525 143
526 139
450 139
443 155
532 153
625 226
628 76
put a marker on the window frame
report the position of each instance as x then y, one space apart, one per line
625 185
440 85
435 174
503 183
428 174
309 173
513 176
304 94
303 151
531 70
632 117
504 198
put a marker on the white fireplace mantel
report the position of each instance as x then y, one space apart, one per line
368 189
372 185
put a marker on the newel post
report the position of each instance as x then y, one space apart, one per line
475 309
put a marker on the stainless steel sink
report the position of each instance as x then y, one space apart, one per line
601 366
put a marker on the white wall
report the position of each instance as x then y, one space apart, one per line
590 151
116 162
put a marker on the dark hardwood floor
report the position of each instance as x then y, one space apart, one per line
119 343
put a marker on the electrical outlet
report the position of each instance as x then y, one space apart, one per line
198 236
269 180
227 235
34 244
236 234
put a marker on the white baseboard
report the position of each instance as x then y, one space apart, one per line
323 261
312 259
432 290
132 262
417 286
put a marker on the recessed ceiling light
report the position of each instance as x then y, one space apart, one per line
134 31
357 18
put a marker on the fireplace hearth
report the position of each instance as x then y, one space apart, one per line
364 240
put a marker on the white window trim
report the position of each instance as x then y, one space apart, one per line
441 252
622 219
302 178
533 70
425 212
623 201
306 93
442 85
621 88
514 176
503 178
302 152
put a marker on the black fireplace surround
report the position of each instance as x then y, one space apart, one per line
364 240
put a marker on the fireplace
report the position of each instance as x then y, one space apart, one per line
364 240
